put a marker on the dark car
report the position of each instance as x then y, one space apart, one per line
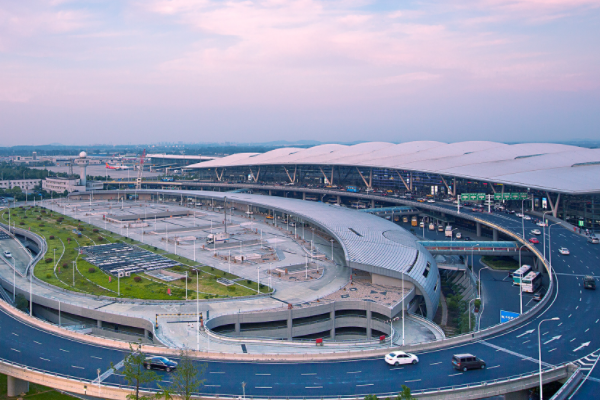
464 362
159 362
589 282
467 238
539 295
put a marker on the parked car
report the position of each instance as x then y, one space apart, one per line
400 357
564 251
464 362
7 254
160 362
534 240
593 240
536 232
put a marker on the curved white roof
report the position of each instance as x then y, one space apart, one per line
544 166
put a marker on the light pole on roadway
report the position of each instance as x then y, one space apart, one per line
521 281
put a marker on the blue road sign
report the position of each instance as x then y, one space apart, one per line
506 316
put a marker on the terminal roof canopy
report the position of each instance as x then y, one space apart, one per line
544 166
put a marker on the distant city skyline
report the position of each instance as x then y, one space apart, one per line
120 72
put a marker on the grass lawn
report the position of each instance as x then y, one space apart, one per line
501 262
63 240
36 392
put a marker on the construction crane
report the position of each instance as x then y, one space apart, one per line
138 183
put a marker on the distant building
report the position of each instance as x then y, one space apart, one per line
60 184
24 184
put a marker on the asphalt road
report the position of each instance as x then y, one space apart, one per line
508 354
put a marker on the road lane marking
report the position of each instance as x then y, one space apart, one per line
313 387
263 387
526 341
14 334
354 372
36 342
312 373
560 324
18 351
495 366
413 380
460 373
587 329
367 384
216 372
436 363
75 366
572 340
569 316
262 374
66 351
212 385
45 359
393 369
97 358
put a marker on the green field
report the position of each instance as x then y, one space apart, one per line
58 230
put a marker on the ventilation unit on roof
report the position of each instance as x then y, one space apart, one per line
584 164
530 155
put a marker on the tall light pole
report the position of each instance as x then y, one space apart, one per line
331 240
540 353
544 230
197 312
403 296
479 281
14 279
523 215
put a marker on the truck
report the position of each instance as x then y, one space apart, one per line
448 231
589 282
218 237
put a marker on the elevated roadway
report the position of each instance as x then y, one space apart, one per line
510 352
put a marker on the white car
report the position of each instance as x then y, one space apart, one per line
400 357
536 232
458 235
519 215
526 217
7 254
541 224
431 201
564 251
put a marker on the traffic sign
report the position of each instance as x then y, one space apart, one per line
506 316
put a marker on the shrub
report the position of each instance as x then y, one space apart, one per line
91 270
21 223
248 281
95 230
155 249
79 235
39 218
51 237
48 260
48 276
231 288
183 279
100 238
137 278
65 265
41 225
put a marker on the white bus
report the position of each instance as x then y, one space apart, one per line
448 231
531 282
520 273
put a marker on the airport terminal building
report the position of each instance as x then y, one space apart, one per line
562 180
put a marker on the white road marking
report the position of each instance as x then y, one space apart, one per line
587 329
436 363
550 351
367 384
460 373
495 366
45 359
572 340
18 351
66 351
313 387
263 387
75 366
354 372
526 341
414 380
14 334
262 374
393 369
36 342
217 372
312 373
97 358
212 385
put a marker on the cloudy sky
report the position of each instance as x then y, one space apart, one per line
139 71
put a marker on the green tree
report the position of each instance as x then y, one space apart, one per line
186 379
405 394
134 372
371 397
22 303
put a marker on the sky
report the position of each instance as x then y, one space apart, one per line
145 71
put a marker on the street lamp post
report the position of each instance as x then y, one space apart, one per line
331 240
479 281
540 352
544 231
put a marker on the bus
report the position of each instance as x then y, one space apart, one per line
532 282
352 189
448 231
413 221
521 272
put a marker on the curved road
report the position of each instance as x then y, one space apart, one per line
507 354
